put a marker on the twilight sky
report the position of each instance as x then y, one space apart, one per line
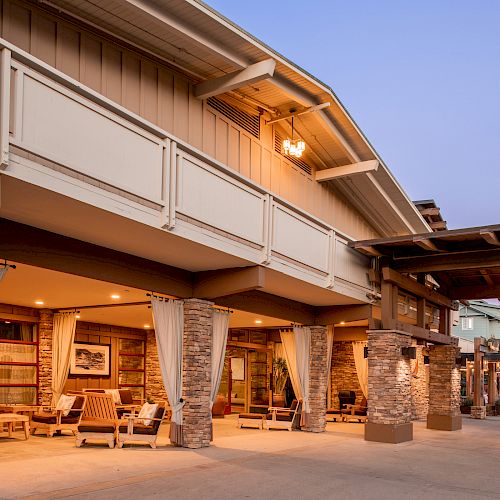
421 79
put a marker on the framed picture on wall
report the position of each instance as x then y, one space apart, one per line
238 368
90 359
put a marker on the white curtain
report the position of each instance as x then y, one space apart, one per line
3 272
168 318
219 340
62 341
329 347
358 348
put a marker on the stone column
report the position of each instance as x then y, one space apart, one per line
419 385
196 373
154 380
389 387
444 388
318 377
45 329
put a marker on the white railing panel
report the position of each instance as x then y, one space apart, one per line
63 127
350 265
300 239
213 198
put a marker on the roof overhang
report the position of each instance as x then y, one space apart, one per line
204 45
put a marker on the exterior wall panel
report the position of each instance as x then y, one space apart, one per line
165 97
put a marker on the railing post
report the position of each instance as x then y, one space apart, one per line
268 229
165 188
175 161
331 259
4 106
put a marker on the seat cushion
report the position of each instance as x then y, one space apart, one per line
126 397
98 427
44 418
251 416
360 413
139 429
281 417
331 411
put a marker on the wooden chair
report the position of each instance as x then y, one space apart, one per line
346 398
284 418
133 428
251 420
99 420
51 420
356 412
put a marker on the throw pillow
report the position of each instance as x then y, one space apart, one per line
147 412
65 404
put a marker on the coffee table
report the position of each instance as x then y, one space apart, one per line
11 419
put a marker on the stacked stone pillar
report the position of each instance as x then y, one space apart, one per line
389 387
196 373
444 388
318 380
45 329
154 380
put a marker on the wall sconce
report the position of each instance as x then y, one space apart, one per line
409 352
365 352
426 360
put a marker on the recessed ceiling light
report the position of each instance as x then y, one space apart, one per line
115 296
77 316
39 302
258 321
7 321
147 326
342 322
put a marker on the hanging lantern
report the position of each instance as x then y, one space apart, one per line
294 147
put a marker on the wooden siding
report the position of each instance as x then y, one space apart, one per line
165 97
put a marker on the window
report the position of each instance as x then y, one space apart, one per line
131 366
467 323
18 363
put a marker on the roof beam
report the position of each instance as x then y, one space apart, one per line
361 167
427 244
311 109
487 277
438 225
448 262
262 70
422 333
475 292
430 211
490 237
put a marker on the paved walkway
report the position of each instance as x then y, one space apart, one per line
262 464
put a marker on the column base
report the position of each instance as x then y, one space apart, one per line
478 412
389 433
444 422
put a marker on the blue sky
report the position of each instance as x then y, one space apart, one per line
421 79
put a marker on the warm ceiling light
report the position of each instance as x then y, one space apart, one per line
342 322
294 147
39 302
7 322
258 321
115 296
147 326
77 316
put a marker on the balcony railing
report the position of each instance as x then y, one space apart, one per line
81 144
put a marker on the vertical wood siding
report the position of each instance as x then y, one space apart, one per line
165 98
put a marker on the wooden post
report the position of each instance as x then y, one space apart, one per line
444 320
478 373
492 383
468 379
421 304
389 304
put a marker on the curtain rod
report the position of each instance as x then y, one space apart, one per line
102 306
218 308
6 265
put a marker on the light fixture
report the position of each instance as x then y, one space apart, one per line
342 322
77 316
294 147
258 321
7 322
39 302
115 296
147 326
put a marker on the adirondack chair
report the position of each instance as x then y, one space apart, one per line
284 418
134 428
99 420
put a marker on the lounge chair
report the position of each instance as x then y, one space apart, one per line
355 412
284 418
134 428
52 420
99 420
345 398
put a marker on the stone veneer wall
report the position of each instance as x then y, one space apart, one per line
45 328
419 385
444 380
154 380
389 374
316 419
343 372
197 366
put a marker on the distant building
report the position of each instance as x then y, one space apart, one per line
478 319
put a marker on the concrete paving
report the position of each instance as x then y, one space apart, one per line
261 464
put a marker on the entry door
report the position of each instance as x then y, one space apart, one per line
258 386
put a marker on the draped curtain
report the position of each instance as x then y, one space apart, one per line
219 340
3 272
62 341
329 353
168 318
297 348
361 362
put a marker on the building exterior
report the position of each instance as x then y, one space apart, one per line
478 319
143 151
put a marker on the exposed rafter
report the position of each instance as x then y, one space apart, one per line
490 237
361 167
310 109
253 73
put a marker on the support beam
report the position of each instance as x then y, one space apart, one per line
448 262
429 212
490 237
439 225
478 372
487 277
331 315
347 170
427 244
475 292
253 73
412 286
310 109
211 284
420 333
